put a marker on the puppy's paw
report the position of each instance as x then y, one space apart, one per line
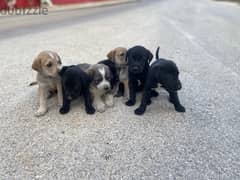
149 102
60 104
139 111
118 95
125 98
180 108
130 103
40 112
60 101
154 93
100 107
109 101
64 110
171 100
90 110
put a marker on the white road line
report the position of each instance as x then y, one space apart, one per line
193 40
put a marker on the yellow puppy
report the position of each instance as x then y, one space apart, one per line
118 56
48 65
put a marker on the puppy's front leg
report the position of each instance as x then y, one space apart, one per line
132 88
98 104
146 98
88 104
126 89
59 93
66 104
109 100
42 90
120 90
175 100
145 101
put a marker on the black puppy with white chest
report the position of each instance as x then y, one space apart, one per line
75 82
165 73
138 59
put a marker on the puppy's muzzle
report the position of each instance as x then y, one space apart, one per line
106 88
179 86
135 69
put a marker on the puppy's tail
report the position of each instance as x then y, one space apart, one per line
157 53
33 83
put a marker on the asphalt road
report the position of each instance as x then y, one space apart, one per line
202 37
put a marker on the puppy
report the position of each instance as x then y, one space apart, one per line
165 73
117 63
100 86
138 59
47 64
75 82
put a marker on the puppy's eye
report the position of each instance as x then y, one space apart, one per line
108 78
97 81
49 65
122 54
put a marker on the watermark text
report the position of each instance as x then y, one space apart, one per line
25 12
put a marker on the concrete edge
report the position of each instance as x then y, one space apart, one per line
56 8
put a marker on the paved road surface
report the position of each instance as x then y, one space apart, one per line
202 37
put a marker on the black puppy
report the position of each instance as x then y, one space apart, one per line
138 59
75 83
164 72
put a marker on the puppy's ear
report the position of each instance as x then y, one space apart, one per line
111 75
59 59
150 55
37 64
90 73
127 55
157 52
111 55
64 68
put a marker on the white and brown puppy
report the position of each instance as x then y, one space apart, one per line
47 64
117 56
100 86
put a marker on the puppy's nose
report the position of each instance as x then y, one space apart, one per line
135 69
179 86
106 88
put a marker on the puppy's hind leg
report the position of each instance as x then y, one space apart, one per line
88 104
66 105
173 98
42 101
51 94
